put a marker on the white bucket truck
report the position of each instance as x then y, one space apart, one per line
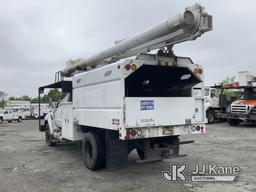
143 103
11 114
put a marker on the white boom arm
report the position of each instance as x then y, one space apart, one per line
189 25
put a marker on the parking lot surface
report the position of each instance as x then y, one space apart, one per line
27 164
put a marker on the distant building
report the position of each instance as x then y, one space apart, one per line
14 103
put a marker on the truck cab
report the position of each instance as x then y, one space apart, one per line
211 96
212 102
218 99
244 109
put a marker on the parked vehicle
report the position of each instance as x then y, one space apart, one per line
23 106
244 108
44 109
143 103
217 102
11 114
236 108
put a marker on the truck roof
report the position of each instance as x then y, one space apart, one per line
66 86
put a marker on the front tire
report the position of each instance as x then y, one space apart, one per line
234 122
211 116
93 151
48 136
1 120
19 120
140 153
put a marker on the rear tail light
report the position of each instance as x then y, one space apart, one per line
133 67
127 67
133 133
198 71
139 132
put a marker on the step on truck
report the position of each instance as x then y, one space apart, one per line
144 101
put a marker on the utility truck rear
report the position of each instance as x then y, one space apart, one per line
144 102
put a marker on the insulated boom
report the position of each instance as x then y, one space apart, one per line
189 25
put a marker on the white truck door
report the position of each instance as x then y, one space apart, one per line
15 113
214 98
58 115
9 114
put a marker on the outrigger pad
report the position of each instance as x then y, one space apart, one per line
116 151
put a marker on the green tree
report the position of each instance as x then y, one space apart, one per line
22 98
230 93
228 80
25 98
12 98
2 99
54 94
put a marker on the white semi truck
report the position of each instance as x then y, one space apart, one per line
144 102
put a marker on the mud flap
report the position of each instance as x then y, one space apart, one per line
116 151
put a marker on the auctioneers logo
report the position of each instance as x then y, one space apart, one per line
178 173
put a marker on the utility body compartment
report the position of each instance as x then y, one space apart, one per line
141 93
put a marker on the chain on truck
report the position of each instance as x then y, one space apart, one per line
144 101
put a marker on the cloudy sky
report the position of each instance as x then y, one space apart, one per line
38 37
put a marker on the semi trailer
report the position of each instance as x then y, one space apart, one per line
126 98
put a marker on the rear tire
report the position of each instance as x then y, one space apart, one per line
1 120
140 153
211 116
93 151
234 122
48 136
19 120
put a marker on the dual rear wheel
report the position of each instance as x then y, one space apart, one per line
93 151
